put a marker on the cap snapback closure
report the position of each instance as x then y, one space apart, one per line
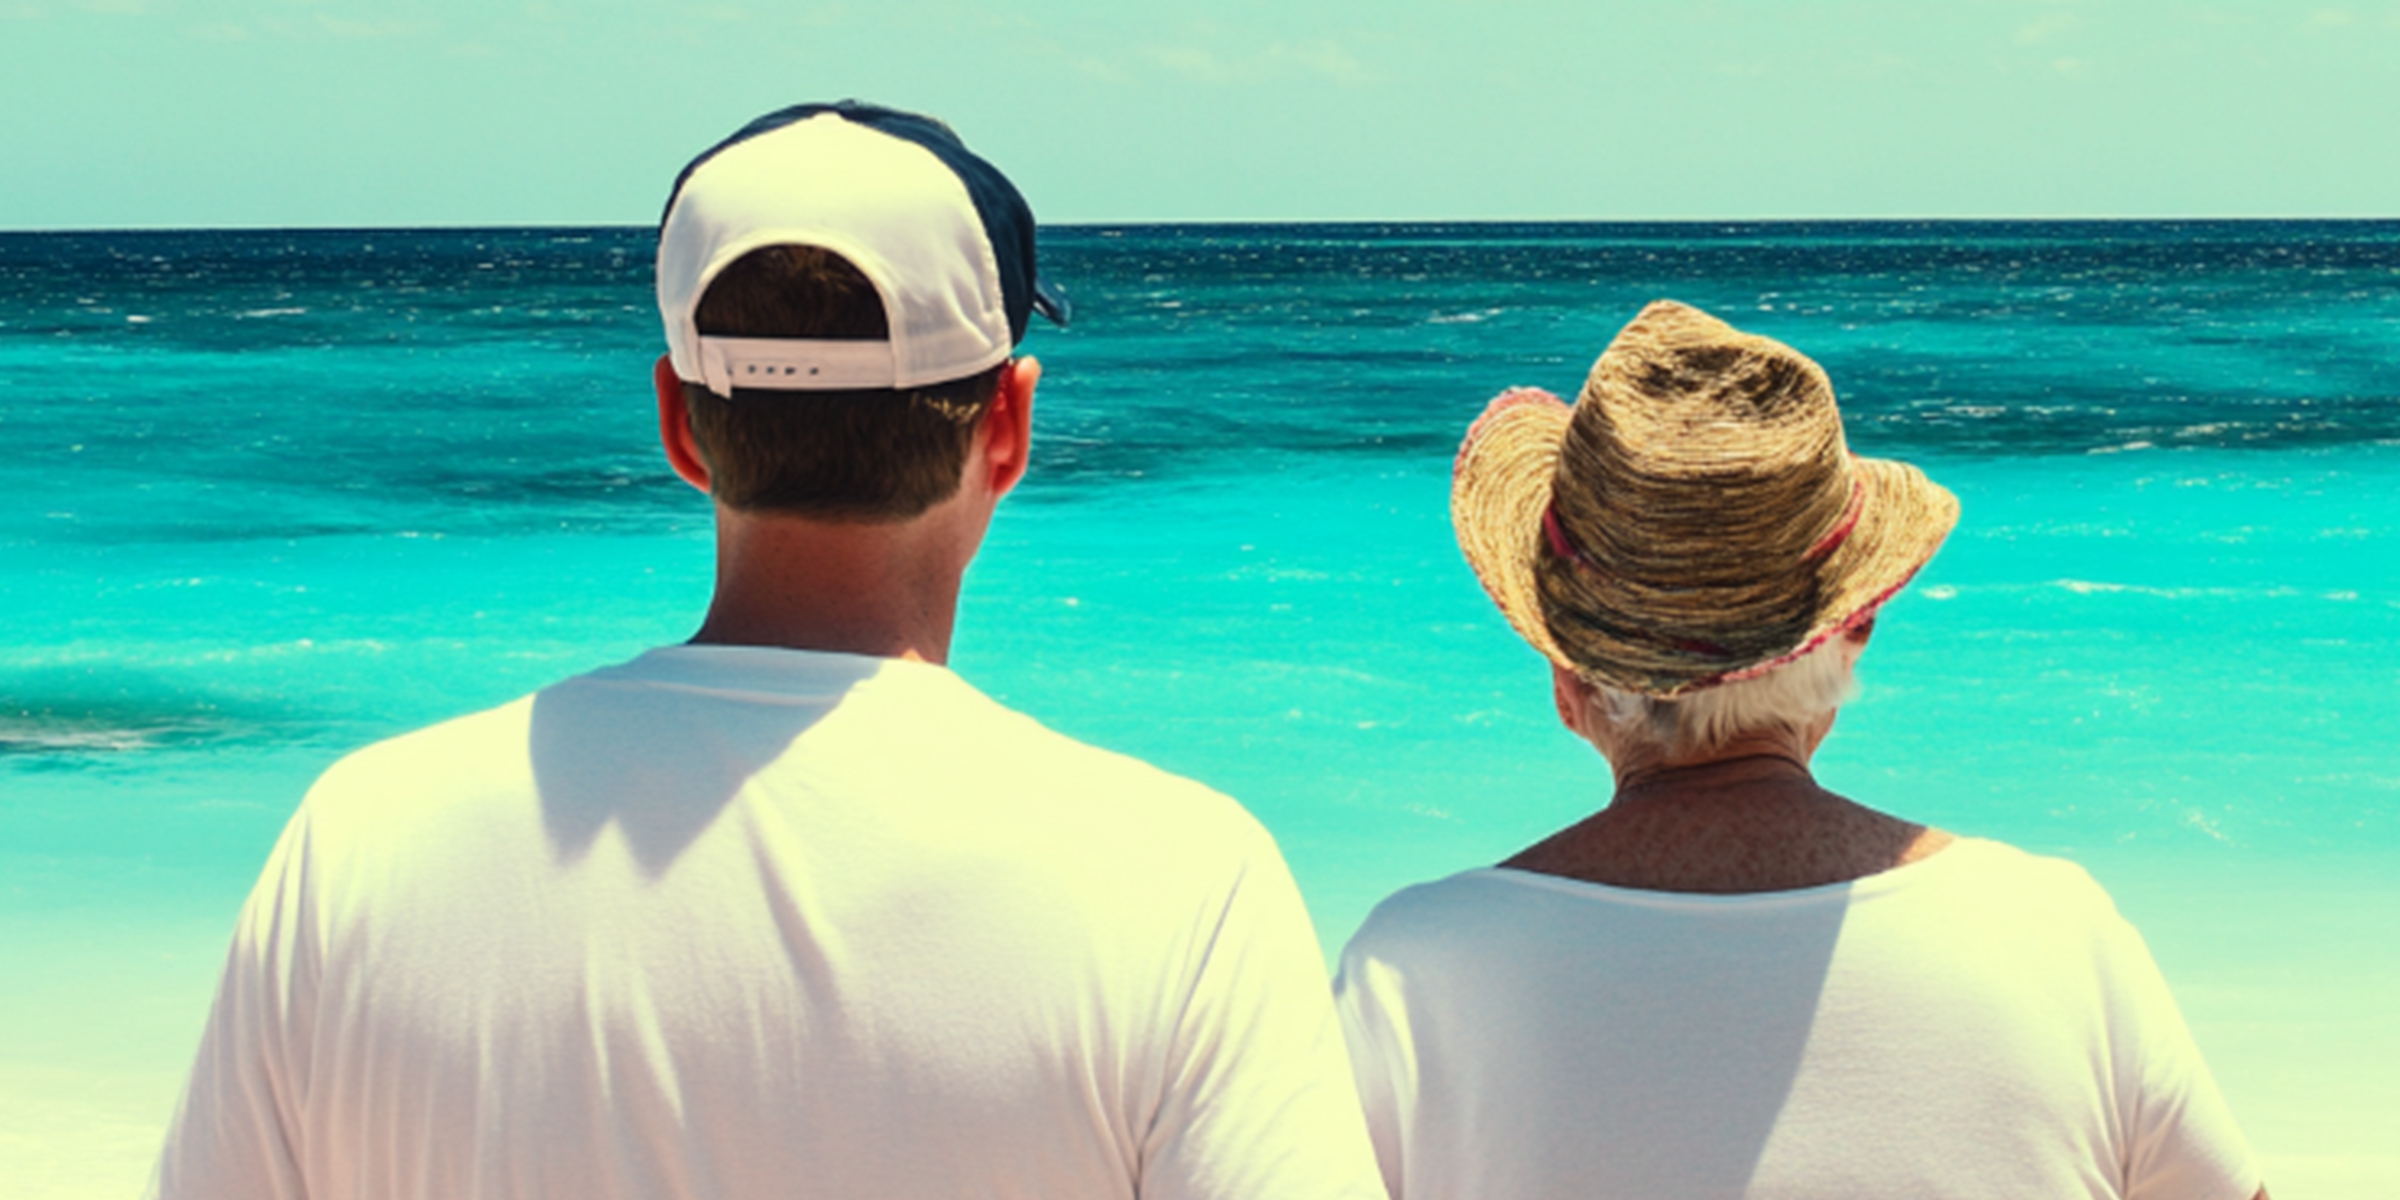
795 364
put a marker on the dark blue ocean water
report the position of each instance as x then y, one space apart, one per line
270 495
416 366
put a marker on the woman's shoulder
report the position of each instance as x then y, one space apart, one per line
1469 905
2019 876
1482 911
1500 914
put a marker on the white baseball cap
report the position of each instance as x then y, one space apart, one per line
944 237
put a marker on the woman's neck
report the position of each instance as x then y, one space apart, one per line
1748 818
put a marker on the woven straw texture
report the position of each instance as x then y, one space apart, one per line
1705 519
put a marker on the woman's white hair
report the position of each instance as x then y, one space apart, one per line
1791 696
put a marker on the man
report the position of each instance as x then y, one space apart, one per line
791 909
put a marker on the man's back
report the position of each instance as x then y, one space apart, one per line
738 921
789 910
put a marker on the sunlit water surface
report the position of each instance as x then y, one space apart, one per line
274 495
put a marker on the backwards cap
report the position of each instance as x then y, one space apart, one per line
943 236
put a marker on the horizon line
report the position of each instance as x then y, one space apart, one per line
1236 222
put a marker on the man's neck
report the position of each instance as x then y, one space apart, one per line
888 589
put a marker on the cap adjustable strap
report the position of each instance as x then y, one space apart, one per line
795 365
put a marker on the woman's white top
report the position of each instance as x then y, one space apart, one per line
1980 1022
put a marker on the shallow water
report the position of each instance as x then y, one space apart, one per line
334 485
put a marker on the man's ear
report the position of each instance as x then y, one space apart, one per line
1004 439
675 426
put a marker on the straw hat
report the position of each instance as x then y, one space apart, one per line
1694 519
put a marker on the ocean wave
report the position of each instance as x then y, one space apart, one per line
2089 587
47 732
78 704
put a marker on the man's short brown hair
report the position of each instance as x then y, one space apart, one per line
874 454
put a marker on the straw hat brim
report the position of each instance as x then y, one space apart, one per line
1501 483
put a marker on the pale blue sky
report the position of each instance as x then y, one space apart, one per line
416 112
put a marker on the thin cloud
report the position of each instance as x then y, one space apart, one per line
1321 58
1192 62
316 24
344 27
1327 59
2048 28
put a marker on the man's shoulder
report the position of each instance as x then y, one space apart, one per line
903 748
1017 736
471 757
953 729
858 727
464 757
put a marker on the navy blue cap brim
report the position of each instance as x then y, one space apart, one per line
1052 303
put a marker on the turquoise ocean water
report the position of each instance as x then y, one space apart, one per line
271 495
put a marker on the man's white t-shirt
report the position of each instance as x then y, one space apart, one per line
1980 1023
731 922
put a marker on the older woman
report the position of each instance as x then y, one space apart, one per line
1731 981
